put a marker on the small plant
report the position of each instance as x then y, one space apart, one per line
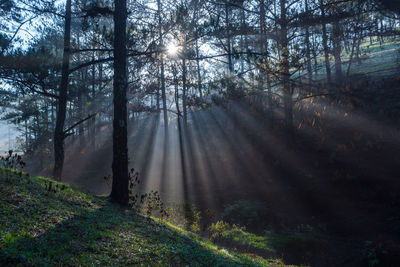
147 203
9 239
12 161
56 188
236 236
184 215
217 230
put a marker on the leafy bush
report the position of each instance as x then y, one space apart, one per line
184 215
222 232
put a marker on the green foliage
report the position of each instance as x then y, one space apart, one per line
303 242
184 215
222 232
219 229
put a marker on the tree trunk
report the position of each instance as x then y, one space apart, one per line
325 43
243 42
228 38
308 48
81 107
198 70
59 135
184 90
284 69
264 49
358 48
120 185
314 51
337 49
93 108
164 97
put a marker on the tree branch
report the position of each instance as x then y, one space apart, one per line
77 123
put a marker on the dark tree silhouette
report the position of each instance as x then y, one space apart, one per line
59 134
120 192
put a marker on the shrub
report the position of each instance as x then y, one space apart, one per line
184 215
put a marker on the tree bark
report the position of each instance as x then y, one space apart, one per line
59 135
264 49
284 69
184 89
337 49
308 48
198 70
92 122
228 38
325 44
120 185
164 97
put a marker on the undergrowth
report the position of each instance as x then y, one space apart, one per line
70 227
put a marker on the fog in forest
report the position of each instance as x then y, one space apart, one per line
277 116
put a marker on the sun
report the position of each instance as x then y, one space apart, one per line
172 49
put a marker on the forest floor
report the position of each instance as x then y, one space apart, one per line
69 227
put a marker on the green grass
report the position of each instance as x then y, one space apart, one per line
378 61
70 227
303 242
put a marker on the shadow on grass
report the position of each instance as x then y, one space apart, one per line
109 236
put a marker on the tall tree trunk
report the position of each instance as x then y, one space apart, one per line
243 42
360 37
184 89
351 55
158 108
228 37
284 69
314 51
26 135
325 44
308 48
264 48
81 101
174 73
81 106
198 70
93 108
164 97
120 185
59 135
337 49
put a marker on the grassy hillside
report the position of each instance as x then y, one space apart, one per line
69 227
378 60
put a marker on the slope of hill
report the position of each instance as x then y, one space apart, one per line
69 227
